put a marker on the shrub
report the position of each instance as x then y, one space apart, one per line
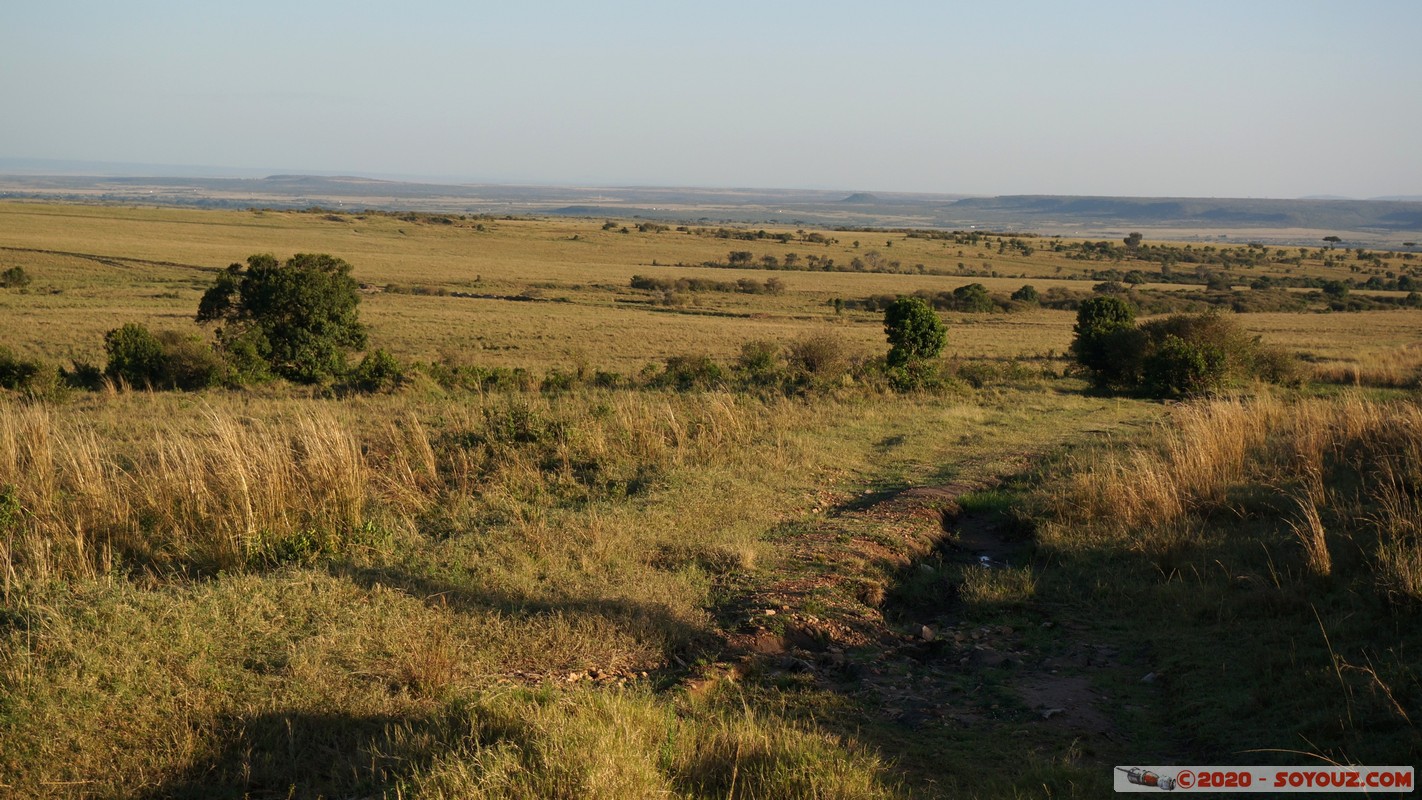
759 362
821 355
1027 294
1101 343
1180 368
165 360
688 372
377 372
14 278
1177 356
191 363
135 356
31 377
973 298
914 331
557 381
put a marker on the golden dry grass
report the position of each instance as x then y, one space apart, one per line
579 273
1355 459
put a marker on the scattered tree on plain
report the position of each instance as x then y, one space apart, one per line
298 318
914 331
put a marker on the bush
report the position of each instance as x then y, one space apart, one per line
135 356
1027 294
973 298
1101 343
14 278
820 355
1179 356
377 372
30 377
191 363
689 372
1180 368
759 362
914 331
166 360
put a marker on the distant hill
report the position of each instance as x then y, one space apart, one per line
1043 210
1385 222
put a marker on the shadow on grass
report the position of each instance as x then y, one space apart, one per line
650 622
304 754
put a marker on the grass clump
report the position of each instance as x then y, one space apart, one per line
1290 530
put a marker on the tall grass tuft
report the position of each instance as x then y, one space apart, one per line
1227 457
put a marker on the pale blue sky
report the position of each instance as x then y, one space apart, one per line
1238 98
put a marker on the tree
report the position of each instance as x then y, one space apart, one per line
973 297
1027 294
1332 240
1104 323
299 317
915 333
1133 240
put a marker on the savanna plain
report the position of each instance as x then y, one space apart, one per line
630 509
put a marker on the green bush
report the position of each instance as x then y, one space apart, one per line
759 362
1027 294
1180 368
1177 356
690 372
377 372
166 360
135 356
14 278
973 298
30 377
914 331
1102 343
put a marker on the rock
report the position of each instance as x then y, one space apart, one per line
926 633
1150 677
987 657
770 612
1052 712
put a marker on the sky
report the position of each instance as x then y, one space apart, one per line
1246 98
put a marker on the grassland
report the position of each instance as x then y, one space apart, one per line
637 592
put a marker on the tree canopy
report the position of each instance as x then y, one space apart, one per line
299 318
914 331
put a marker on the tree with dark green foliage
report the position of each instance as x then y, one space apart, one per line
299 317
1027 294
973 298
1103 324
914 331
